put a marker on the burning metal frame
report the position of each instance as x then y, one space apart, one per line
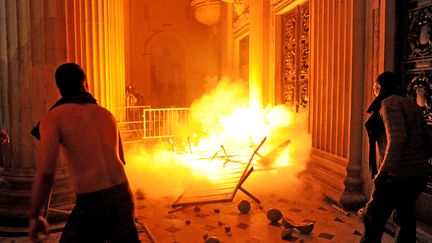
225 188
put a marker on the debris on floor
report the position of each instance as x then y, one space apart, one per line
274 215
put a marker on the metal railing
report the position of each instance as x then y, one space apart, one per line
137 123
164 122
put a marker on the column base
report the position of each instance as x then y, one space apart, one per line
15 197
352 201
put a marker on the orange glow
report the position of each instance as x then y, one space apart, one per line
255 87
222 117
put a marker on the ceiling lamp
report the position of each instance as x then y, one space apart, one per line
206 11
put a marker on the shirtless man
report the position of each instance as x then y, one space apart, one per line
86 137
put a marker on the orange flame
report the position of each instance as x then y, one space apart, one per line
222 117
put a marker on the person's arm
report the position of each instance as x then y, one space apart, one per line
44 177
396 133
121 153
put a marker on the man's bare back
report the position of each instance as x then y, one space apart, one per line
88 139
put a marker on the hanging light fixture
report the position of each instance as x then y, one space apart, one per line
206 11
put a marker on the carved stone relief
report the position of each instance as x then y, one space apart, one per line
295 57
280 4
420 89
419 33
240 6
241 22
289 50
417 64
417 73
304 56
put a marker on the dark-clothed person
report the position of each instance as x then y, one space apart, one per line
396 125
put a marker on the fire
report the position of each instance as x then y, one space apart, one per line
221 120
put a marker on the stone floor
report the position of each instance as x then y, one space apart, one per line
192 224
157 223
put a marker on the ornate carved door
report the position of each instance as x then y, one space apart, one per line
295 57
416 28
417 55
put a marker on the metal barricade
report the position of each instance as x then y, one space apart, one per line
164 122
130 122
137 123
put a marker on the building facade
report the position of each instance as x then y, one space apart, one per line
318 57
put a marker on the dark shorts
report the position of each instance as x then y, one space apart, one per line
102 216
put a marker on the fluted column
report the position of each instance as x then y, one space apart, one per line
337 66
32 44
95 40
353 195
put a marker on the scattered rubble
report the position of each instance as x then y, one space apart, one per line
139 195
274 215
244 206
212 239
227 229
287 224
286 234
304 228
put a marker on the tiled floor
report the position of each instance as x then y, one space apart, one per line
192 224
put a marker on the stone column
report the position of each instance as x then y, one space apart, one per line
336 106
353 195
35 37
32 44
95 40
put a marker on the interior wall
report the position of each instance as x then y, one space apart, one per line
170 52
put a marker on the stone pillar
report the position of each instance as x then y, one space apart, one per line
32 44
336 109
95 40
353 195
35 37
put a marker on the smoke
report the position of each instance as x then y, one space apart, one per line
159 172
222 117
292 161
